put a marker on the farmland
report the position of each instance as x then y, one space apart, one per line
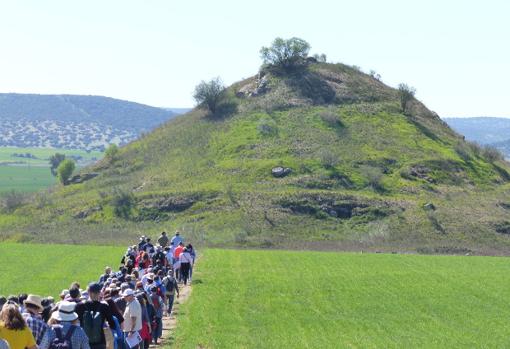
47 269
254 299
27 169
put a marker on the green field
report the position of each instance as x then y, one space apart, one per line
47 269
33 174
258 299
25 178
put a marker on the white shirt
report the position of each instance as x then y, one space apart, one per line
185 257
133 309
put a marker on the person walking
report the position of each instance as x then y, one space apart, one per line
66 327
177 239
186 261
157 320
163 240
14 330
39 328
93 314
132 324
171 288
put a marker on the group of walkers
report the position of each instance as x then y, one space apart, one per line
121 310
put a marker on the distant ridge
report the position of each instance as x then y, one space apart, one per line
74 121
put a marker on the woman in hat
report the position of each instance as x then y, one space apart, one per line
66 325
14 330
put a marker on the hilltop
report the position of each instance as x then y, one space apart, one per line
322 157
74 121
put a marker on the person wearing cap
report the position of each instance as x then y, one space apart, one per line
65 324
31 314
132 314
92 308
163 240
14 330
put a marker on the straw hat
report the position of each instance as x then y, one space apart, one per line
35 301
65 312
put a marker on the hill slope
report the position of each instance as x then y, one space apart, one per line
485 130
363 175
73 121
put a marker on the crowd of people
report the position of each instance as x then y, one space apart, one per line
121 310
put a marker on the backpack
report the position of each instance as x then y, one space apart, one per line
93 325
169 285
61 342
155 302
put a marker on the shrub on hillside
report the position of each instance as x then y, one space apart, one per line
476 148
123 203
267 127
55 160
12 200
462 150
330 118
210 94
406 94
65 170
111 152
328 159
373 176
492 154
285 54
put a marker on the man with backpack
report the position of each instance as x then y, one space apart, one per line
171 288
39 328
92 315
67 333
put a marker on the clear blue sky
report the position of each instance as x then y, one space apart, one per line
456 53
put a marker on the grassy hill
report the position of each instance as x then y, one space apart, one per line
363 175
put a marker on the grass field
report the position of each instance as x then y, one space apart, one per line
25 178
47 269
258 299
33 174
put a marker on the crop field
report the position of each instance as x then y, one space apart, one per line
278 299
47 269
29 174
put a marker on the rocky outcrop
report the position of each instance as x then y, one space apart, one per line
280 172
80 178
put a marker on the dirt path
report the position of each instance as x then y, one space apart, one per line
170 322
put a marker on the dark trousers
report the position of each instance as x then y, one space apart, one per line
171 299
185 272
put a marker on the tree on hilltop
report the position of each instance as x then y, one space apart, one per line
210 93
406 94
65 170
285 54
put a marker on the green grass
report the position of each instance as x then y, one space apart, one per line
43 154
47 269
280 299
25 178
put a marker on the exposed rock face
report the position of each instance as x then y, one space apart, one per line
256 88
429 206
82 178
280 172
170 204
420 171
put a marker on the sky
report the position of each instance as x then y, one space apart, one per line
455 53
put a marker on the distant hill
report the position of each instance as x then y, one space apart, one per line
322 157
74 121
484 130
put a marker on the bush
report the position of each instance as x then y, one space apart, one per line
65 170
123 203
111 152
267 127
406 94
12 200
55 161
328 159
321 58
285 54
476 148
210 94
374 177
492 154
463 151
330 118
